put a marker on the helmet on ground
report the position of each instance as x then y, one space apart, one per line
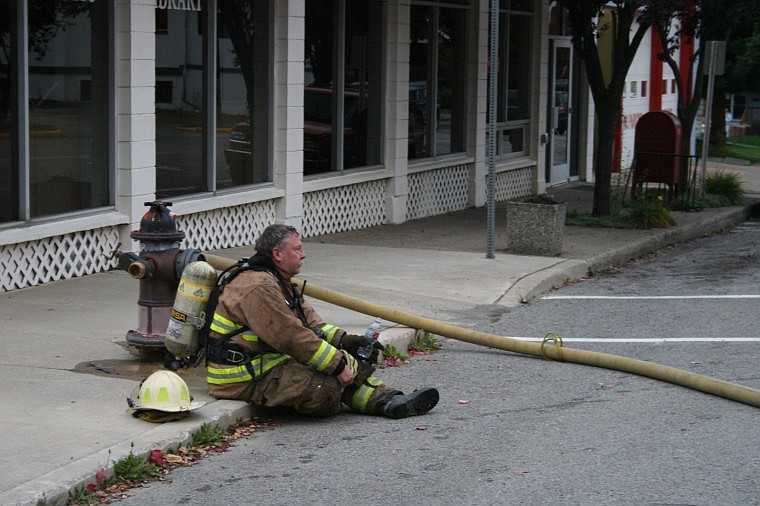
163 391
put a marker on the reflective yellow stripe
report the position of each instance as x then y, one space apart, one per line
329 332
250 336
239 373
224 326
363 393
322 357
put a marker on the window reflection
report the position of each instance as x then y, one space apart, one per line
242 98
8 162
514 78
355 110
68 83
179 104
436 80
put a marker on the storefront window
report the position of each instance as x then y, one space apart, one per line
241 59
242 105
8 160
437 72
67 106
514 77
180 167
342 96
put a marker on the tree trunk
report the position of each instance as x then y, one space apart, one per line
603 160
687 125
718 128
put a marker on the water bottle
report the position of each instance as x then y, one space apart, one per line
372 333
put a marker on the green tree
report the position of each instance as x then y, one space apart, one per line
624 23
695 22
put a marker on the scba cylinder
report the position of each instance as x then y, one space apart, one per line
188 313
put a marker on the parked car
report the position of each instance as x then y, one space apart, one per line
317 132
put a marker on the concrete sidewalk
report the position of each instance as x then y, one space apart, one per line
66 371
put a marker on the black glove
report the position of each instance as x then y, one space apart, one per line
351 343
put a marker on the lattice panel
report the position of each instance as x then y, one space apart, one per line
60 257
437 192
350 207
513 184
227 227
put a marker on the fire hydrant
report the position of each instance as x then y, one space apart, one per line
159 268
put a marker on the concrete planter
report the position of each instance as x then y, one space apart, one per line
535 228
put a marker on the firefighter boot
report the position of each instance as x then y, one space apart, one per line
416 403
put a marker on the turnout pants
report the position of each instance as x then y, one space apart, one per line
306 391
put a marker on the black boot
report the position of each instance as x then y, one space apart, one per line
418 402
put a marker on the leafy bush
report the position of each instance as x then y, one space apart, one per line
725 184
646 213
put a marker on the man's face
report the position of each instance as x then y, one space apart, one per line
290 258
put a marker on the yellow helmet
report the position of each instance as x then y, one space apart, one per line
163 391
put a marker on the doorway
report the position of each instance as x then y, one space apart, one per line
559 111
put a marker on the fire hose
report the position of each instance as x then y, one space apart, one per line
551 348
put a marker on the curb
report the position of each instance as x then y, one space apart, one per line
54 487
539 282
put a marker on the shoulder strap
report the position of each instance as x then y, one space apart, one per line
222 280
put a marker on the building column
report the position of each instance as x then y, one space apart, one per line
135 114
289 36
397 111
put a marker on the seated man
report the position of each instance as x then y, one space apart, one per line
268 346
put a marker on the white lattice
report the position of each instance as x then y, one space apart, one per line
349 207
513 184
59 257
227 227
437 192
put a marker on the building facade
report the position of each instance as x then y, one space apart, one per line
328 115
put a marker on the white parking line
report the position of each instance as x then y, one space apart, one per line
645 297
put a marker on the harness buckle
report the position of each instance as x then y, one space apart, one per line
235 357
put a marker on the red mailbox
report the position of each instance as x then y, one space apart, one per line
657 150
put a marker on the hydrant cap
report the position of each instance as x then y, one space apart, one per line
158 224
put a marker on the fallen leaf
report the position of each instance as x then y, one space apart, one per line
157 457
464 401
174 459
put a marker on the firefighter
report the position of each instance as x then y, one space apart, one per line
269 347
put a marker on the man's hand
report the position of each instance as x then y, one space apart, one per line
348 374
345 377
351 343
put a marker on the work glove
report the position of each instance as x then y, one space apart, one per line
351 343
351 363
361 370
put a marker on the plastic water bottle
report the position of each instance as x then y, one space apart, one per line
372 333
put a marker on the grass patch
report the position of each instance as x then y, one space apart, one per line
725 184
746 148
134 470
577 219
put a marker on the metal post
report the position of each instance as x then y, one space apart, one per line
712 49
492 108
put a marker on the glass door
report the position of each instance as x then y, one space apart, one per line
560 111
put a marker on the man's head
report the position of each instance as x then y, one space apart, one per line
282 244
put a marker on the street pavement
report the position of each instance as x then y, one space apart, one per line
66 370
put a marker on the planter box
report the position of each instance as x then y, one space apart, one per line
535 229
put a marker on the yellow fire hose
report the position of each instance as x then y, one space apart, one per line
551 348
